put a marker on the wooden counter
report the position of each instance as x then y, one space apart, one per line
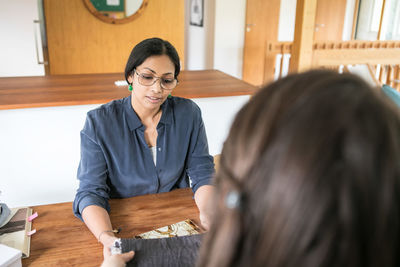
83 89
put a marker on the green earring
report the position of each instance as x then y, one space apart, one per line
169 96
130 88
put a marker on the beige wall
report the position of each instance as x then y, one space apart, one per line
78 42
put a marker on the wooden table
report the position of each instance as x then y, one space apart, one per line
63 240
83 89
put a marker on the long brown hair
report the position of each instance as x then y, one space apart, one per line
314 160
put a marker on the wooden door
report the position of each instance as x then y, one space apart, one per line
262 19
329 20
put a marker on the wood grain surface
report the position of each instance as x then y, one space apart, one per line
83 89
78 42
63 240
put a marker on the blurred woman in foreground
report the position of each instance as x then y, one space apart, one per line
309 176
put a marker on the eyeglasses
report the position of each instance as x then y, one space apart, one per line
149 79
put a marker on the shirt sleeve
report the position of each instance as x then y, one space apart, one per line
200 164
92 172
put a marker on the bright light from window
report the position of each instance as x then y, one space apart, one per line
397 22
376 16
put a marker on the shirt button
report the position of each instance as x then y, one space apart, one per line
159 149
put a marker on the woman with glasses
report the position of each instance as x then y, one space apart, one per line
149 142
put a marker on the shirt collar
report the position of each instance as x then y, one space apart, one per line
166 108
133 119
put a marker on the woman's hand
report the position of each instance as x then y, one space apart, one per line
107 240
118 260
202 197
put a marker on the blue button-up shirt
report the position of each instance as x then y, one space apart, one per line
116 161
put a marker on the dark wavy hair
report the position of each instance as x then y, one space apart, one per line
315 160
151 47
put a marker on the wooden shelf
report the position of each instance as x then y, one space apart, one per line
83 89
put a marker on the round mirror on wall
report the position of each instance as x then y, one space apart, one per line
116 11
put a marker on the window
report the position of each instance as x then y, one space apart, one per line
370 23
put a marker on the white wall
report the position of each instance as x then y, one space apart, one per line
348 20
218 114
40 148
230 20
287 16
199 48
219 44
17 46
40 154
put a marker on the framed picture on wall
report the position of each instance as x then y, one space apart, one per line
196 12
